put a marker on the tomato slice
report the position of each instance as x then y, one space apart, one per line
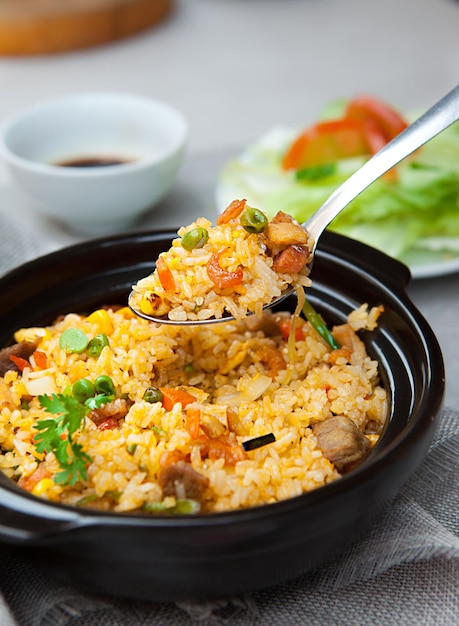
366 108
367 125
326 142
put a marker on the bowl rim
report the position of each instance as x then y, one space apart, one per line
176 146
423 420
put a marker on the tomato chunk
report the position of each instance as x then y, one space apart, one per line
367 125
326 142
367 108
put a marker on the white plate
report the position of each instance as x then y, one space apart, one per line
424 265
255 176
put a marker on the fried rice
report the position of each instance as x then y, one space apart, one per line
235 423
235 267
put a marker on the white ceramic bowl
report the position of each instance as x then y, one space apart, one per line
147 136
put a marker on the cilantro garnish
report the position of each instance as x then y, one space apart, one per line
55 435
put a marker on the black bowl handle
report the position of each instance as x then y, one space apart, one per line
26 519
374 263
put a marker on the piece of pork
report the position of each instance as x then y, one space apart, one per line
182 481
23 350
268 323
115 409
341 442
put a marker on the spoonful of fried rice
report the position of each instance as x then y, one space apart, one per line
246 263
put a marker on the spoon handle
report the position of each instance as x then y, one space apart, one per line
431 123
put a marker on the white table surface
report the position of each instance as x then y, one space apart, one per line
235 68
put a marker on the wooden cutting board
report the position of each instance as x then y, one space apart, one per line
49 26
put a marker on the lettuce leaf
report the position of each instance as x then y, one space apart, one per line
400 217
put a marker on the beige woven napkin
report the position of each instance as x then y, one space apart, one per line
18 242
405 571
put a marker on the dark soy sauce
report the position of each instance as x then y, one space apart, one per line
93 162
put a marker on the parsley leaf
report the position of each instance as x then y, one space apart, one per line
55 435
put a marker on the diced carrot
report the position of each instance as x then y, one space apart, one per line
192 421
20 363
29 482
285 326
173 396
40 359
165 275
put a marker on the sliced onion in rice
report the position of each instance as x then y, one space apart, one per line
255 387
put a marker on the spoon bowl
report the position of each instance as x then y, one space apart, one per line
436 119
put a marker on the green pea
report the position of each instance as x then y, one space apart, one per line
83 389
195 238
97 344
104 384
152 395
181 507
68 391
254 220
73 340
186 507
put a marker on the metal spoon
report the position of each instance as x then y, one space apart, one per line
431 123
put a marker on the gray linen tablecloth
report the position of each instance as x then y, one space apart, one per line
405 571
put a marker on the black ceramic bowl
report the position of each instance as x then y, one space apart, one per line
208 556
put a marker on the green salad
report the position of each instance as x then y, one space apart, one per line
412 215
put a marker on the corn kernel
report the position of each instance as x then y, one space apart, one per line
103 320
31 334
152 304
127 313
44 487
